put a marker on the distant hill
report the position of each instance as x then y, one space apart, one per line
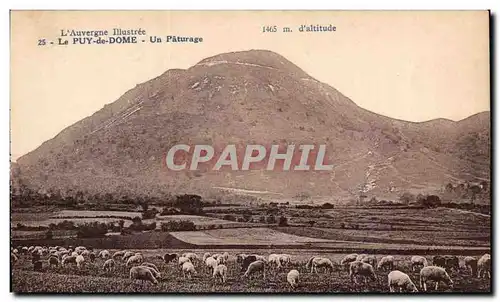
255 96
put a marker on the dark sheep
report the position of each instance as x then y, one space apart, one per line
53 261
169 257
35 257
247 261
452 262
37 266
439 261
92 257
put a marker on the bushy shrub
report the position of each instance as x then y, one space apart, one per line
327 205
430 201
271 219
92 230
229 217
180 225
283 221
149 213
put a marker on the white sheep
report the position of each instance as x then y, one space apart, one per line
136 259
183 260
108 265
315 262
360 257
118 254
210 263
104 254
226 256
220 272
417 261
188 268
80 261
142 273
386 262
365 270
346 261
75 254
256 266
484 266
127 255
398 279
13 258
293 278
206 255
436 274
470 263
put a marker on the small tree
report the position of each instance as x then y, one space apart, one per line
121 223
49 235
271 219
327 205
484 185
431 201
229 217
474 191
283 221
407 197
247 217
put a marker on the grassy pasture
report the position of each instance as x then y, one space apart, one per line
92 279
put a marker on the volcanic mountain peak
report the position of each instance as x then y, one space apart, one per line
254 96
255 58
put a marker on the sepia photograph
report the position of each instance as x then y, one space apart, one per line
319 152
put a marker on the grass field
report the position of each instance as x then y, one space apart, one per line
80 213
438 219
242 236
462 238
397 231
79 216
92 279
200 220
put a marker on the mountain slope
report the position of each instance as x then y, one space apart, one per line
255 97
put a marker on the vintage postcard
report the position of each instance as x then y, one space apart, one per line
250 152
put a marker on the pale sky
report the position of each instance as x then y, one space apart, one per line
413 66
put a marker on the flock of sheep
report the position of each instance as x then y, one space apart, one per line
358 265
